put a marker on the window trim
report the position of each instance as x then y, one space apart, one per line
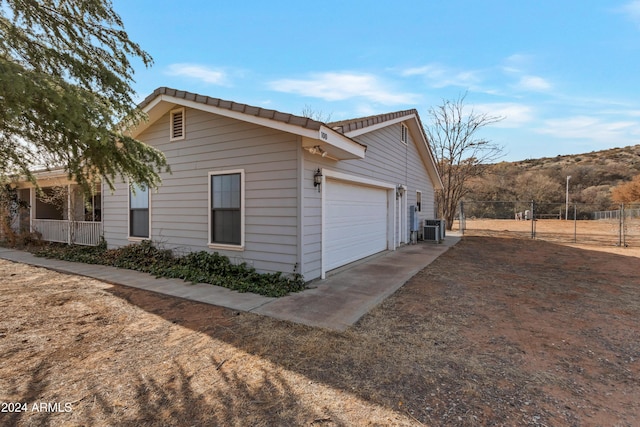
129 236
419 200
227 246
404 133
172 136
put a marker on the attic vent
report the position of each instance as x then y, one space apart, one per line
177 124
404 137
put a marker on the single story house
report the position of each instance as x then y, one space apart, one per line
278 191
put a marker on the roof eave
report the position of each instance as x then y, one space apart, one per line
163 100
357 127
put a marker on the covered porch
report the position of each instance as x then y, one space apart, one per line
61 212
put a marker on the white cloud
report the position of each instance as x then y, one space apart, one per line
199 72
337 86
441 76
515 115
363 110
534 83
426 70
629 112
632 10
594 129
516 63
516 67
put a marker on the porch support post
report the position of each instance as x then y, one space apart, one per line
32 207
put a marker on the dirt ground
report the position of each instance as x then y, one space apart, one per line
601 233
497 331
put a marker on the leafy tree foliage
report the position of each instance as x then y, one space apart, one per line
460 154
65 92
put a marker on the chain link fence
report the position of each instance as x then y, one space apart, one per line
570 223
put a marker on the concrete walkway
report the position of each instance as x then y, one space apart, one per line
336 302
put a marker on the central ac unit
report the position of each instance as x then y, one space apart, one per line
434 230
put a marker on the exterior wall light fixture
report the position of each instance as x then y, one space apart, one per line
317 179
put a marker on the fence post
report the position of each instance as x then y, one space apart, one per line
575 223
620 225
533 220
623 226
463 225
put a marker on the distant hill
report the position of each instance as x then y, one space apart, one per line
629 157
593 175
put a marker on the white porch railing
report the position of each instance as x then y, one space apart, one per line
78 232
87 233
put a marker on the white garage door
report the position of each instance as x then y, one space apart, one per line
356 219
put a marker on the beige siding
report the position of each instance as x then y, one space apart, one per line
282 214
388 160
114 214
179 208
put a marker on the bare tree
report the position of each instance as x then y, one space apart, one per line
460 154
317 115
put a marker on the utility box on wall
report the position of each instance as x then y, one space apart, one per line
413 218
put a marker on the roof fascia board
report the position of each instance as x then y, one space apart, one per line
330 136
377 126
152 113
151 105
325 134
424 148
359 179
46 179
273 124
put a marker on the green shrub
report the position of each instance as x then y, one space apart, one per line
195 267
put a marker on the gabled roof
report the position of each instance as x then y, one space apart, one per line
265 113
313 132
351 125
336 138
354 127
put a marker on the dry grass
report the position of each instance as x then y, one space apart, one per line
481 337
601 234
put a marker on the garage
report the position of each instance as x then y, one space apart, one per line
356 222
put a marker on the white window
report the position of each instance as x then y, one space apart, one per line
177 124
404 137
138 211
419 200
226 209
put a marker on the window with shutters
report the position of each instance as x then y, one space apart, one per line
177 124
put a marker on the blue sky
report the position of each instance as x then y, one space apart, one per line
564 74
